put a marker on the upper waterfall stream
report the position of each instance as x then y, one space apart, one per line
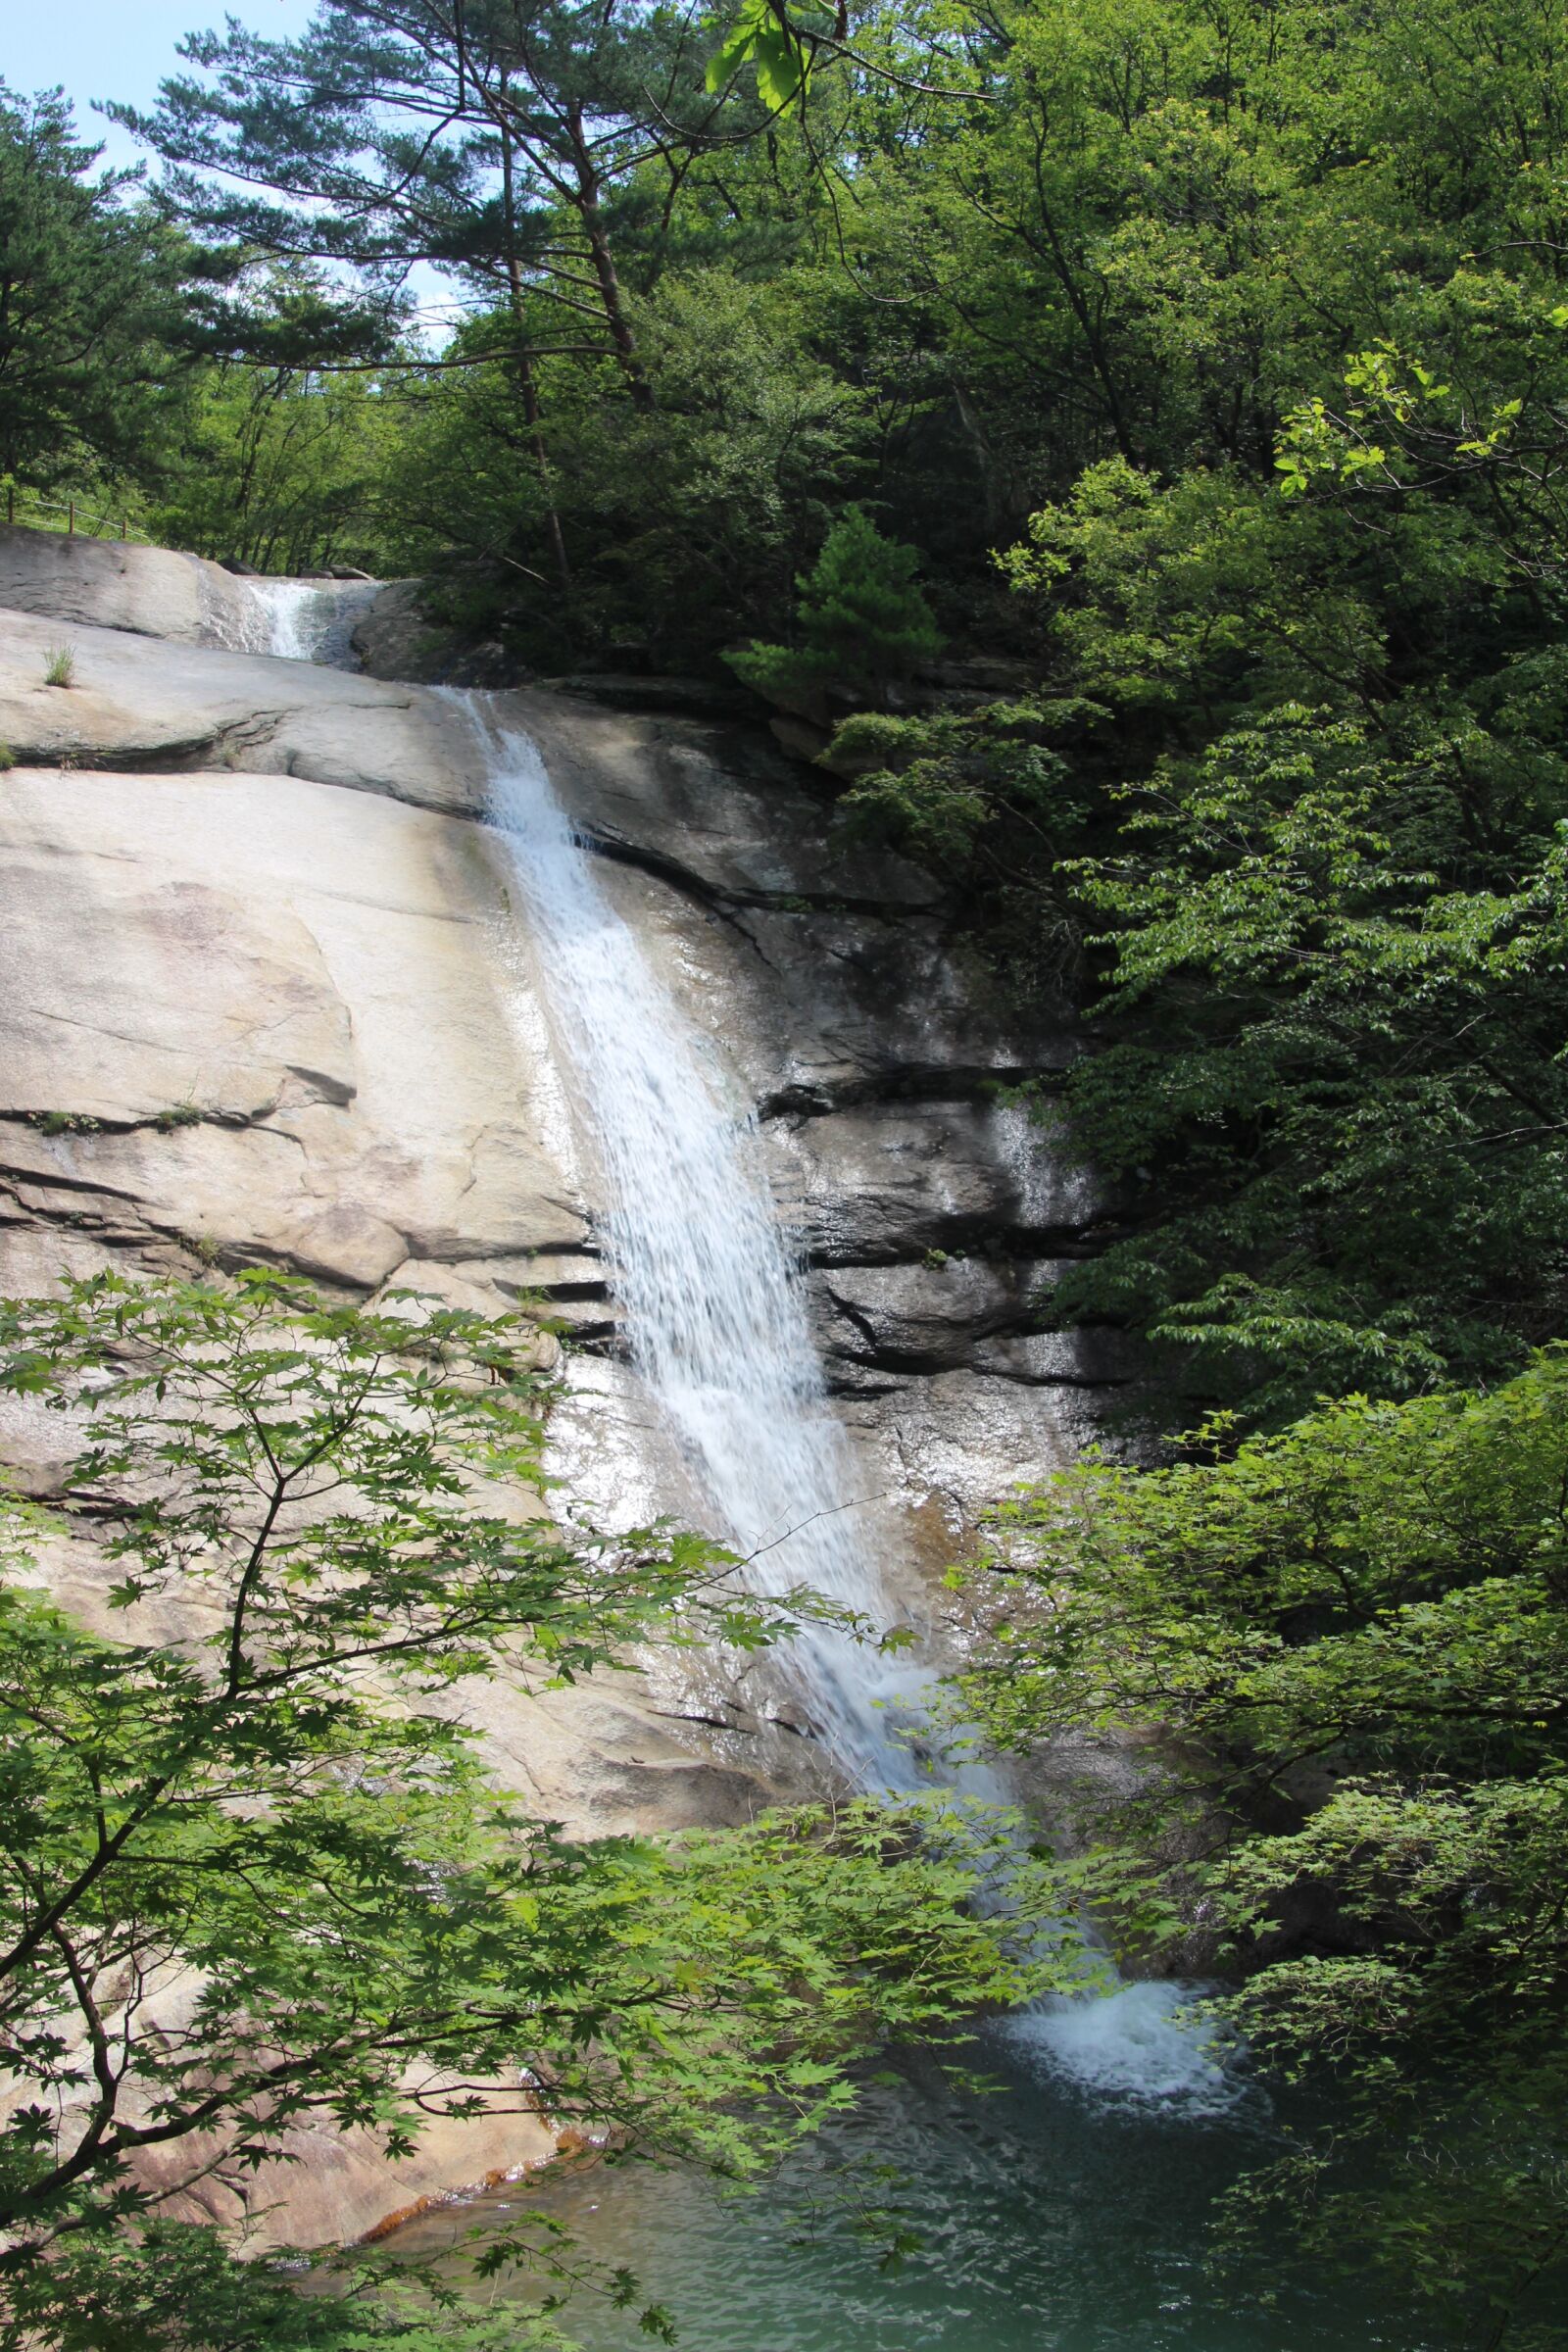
311 620
716 1322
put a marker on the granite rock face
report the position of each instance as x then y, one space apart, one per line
264 994
264 998
115 584
145 706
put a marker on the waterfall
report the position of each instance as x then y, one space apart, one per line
309 620
715 1317
718 1327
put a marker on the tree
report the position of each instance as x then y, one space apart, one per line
862 622
1344 1072
493 137
680 518
247 1877
89 286
506 141
280 467
1346 1648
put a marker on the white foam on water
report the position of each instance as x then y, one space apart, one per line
311 620
1131 2046
284 609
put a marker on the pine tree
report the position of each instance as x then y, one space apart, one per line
861 613
862 620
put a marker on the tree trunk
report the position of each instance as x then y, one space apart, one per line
615 318
527 390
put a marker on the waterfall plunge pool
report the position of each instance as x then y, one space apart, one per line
1051 2219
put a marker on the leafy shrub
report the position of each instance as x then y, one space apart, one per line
325 1853
1354 1635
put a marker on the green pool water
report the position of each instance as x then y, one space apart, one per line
1054 2216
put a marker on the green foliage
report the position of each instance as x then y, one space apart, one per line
279 467
769 38
254 1876
1353 1637
63 1122
676 521
1210 369
1346 1070
59 665
860 610
178 2286
88 291
7 758
861 619
549 115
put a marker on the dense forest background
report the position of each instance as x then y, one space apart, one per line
1129 440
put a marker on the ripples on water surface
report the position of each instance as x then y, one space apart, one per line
1052 2221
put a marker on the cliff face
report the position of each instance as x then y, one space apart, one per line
264 998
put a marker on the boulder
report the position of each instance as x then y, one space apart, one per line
711 807
395 638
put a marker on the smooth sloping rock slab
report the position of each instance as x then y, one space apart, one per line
140 703
266 1017
114 584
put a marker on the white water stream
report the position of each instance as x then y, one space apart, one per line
716 1319
718 1330
311 620
718 1327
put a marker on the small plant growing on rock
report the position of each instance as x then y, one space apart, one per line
208 1248
63 1122
59 665
179 1114
7 758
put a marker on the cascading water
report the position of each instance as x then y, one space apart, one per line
717 1327
1064 2219
715 1321
309 620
